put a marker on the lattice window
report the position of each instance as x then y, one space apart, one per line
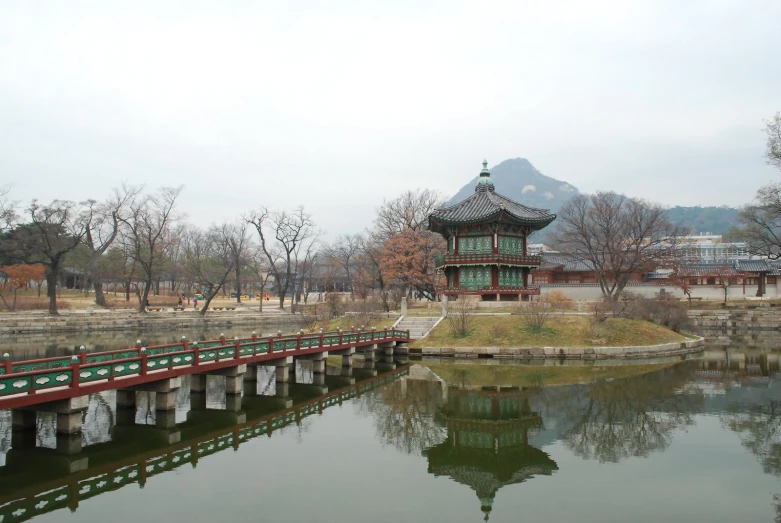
474 245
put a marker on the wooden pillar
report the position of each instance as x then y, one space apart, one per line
495 276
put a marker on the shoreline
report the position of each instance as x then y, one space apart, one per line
568 353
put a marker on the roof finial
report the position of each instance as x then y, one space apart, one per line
484 182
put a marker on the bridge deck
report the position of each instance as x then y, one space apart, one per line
26 383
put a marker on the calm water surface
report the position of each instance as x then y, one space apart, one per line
698 441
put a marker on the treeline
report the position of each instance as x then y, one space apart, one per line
137 241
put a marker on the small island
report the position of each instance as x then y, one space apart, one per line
562 336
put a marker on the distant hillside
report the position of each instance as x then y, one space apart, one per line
520 181
716 220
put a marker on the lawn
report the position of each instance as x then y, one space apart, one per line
559 331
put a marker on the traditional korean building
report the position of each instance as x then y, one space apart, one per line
487 442
487 236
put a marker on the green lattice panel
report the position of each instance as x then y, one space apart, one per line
159 465
226 352
208 355
331 340
207 448
350 338
209 344
474 245
125 368
277 422
285 344
261 348
158 362
186 358
181 456
100 358
94 372
59 363
14 385
308 343
2 371
474 278
510 277
53 379
164 350
27 508
509 245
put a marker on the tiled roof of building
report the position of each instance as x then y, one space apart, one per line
566 262
486 204
706 269
753 266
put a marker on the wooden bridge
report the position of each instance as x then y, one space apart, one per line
51 488
62 385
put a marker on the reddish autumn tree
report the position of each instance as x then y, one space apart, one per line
408 256
18 277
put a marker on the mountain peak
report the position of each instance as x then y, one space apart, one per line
519 180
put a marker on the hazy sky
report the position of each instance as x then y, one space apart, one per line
337 105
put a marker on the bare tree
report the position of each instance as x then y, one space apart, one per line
408 211
102 222
305 261
371 261
239 243
759 223
260 265
54 230
149 233
209 259
285 231
344 252
773 131
7 210
618 235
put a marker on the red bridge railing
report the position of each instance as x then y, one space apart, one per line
29 382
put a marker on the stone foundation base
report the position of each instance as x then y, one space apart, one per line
535 353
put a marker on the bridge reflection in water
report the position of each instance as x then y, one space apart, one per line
487 445
119 451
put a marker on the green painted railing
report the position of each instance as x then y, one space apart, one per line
30 376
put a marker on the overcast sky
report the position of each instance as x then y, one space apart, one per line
337 105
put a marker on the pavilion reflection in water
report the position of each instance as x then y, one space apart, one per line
487 441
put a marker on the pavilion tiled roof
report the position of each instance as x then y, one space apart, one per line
485 204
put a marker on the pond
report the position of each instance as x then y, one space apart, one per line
696 440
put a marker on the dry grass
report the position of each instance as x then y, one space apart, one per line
471 374
560 331
28 303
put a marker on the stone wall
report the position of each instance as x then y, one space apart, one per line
591 291
640 351
118 321
757 319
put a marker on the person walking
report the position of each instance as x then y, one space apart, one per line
195 304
